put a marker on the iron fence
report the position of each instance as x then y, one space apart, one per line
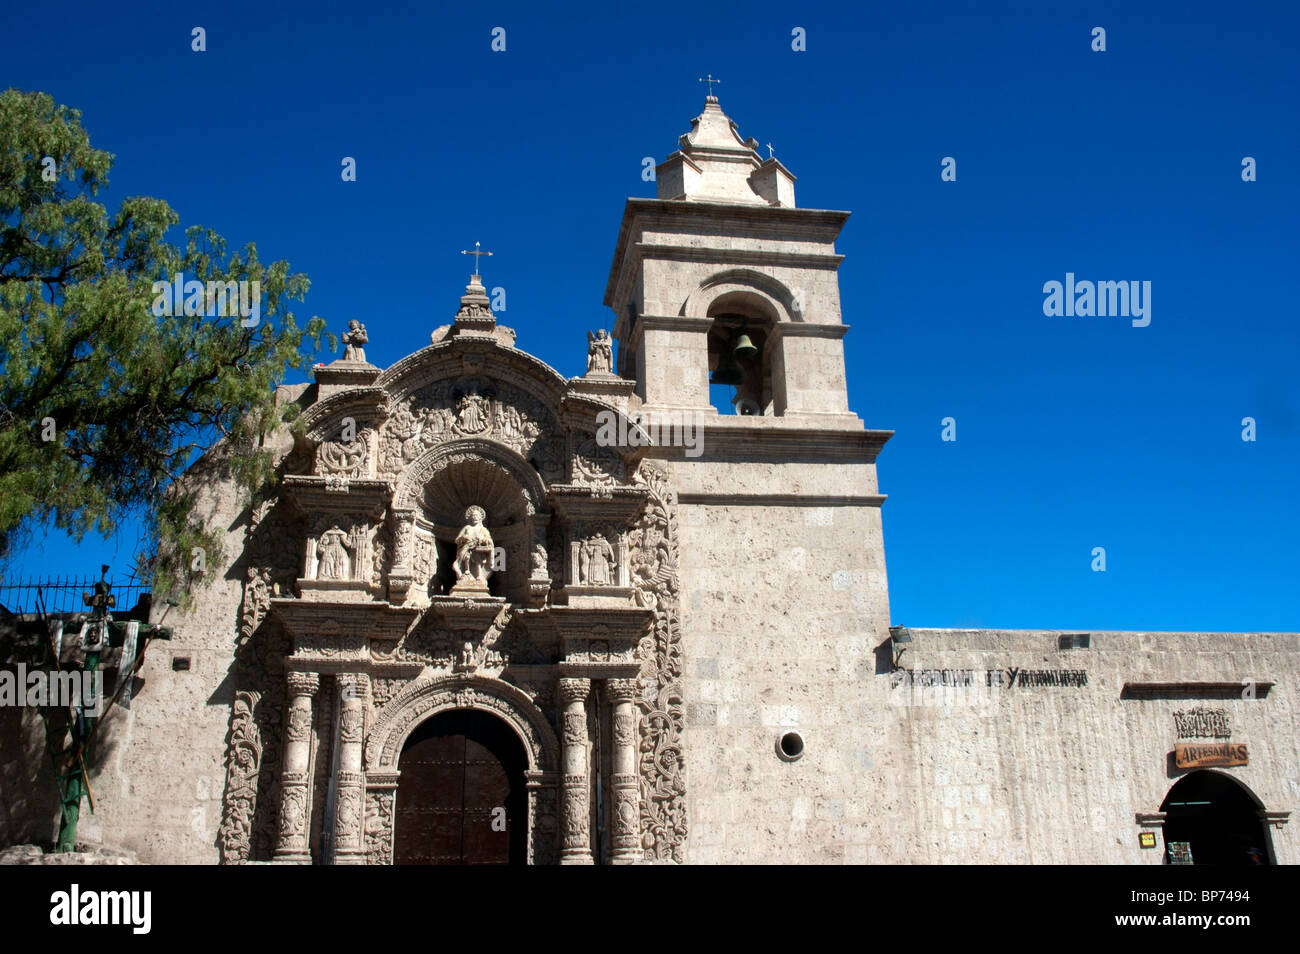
65 594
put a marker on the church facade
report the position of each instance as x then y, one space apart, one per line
492 614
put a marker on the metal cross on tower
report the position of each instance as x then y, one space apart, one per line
477 255
710 80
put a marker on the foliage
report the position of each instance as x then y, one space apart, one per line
105 403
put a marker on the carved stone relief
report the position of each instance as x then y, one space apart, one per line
243 761
379 827
346 458
471 407
596 465
653 562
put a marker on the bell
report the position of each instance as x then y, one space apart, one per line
727 372
744 349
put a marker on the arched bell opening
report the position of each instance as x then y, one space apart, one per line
1216 820
740 354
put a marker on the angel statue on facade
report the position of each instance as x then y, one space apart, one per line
600 353
354 338
473 552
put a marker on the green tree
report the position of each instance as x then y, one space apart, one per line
104 402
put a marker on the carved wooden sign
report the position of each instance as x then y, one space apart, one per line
1190 755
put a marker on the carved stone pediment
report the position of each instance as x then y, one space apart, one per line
472 407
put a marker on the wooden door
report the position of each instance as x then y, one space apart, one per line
460 798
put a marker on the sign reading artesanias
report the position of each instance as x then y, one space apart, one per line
1189 755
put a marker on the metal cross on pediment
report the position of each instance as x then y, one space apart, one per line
477 255
710 81
769 150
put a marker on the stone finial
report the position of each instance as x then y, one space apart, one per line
714 164
353 339
475 310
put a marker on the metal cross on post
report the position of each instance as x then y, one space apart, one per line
710 81
769 150
477 255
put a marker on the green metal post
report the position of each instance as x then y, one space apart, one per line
74 786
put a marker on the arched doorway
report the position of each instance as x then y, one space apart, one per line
1219 818
461 796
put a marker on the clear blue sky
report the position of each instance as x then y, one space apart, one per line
1072 433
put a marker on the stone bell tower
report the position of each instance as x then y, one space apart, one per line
721 279
722 253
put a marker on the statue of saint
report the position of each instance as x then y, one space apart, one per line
472 413
600 353
333 556
599 560
473 552
354 338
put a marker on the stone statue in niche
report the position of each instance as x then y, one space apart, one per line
473 553
472 413
596 562
333 555
600 353
354 338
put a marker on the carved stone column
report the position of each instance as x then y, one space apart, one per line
625 815
349 848
295 783
576 848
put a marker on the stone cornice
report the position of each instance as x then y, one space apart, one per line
646 323
484 350
733 256
578 502
766 441
806 329
368 402
783 500
790 222
326 619
312 494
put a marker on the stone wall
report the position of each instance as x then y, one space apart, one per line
782 608
1046 774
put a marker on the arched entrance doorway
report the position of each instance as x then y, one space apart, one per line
1219 818
460 795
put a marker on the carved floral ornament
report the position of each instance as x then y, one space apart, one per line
471 407
423 699
346 458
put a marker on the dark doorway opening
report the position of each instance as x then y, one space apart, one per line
461 797
1219 818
